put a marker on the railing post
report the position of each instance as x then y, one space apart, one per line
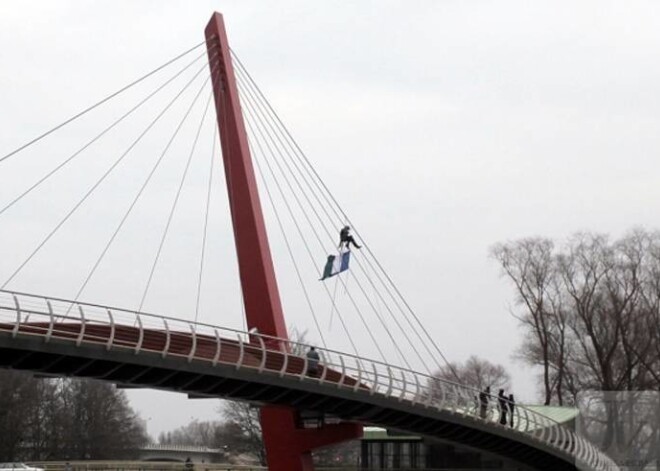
431 393
304 368
168 339
324 366
111 339
376 382
51 322
285 363
359 378
264 353
443 398
218 347
390 386
83 324
543 429
526 420
14 331
404 386
417 390
340 383
577 448
193 344
535 431
241 353
456 398
138 347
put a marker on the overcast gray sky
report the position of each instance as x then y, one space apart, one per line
441 126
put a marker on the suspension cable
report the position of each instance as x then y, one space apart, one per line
251 109
98 103
263 132
288 245
258 141
139 194
97 137
178 194
100 180
325 192
206 223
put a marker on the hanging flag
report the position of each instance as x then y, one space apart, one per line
336 264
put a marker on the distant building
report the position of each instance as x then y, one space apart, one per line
386 449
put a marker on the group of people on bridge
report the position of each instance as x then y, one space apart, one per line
505 405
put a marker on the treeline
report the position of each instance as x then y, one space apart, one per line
591 309
65 419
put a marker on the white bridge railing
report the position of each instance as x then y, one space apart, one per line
26 314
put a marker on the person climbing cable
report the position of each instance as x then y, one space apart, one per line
345 237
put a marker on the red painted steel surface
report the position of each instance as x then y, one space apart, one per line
288 448
263 307
181 343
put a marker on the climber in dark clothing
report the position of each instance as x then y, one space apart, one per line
345 237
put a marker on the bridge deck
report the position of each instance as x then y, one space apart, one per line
184 344
125 348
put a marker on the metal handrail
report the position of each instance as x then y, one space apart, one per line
361 375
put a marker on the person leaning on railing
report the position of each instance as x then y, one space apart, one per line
312 362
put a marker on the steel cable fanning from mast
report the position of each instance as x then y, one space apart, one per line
93 188
98 136
135 200
267 138
206 223
342 216
255 134
99 103
179 189
251 107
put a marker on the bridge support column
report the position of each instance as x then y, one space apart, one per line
289 447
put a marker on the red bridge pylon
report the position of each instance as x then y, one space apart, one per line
288 445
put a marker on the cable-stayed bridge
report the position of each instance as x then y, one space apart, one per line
260 363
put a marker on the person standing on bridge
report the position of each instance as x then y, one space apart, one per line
345 237
312 362
484 396
502 402
512 405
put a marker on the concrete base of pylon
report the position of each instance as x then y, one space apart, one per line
289 446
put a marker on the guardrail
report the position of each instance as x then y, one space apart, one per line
114 328
147 466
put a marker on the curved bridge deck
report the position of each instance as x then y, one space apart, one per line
56 337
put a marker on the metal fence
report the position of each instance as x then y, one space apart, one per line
113 328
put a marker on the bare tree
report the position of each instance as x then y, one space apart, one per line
243 420
99 421
65 419
593 307
476 373
529 264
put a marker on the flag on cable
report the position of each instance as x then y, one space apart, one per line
336 264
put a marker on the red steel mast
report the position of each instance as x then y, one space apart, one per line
288 446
